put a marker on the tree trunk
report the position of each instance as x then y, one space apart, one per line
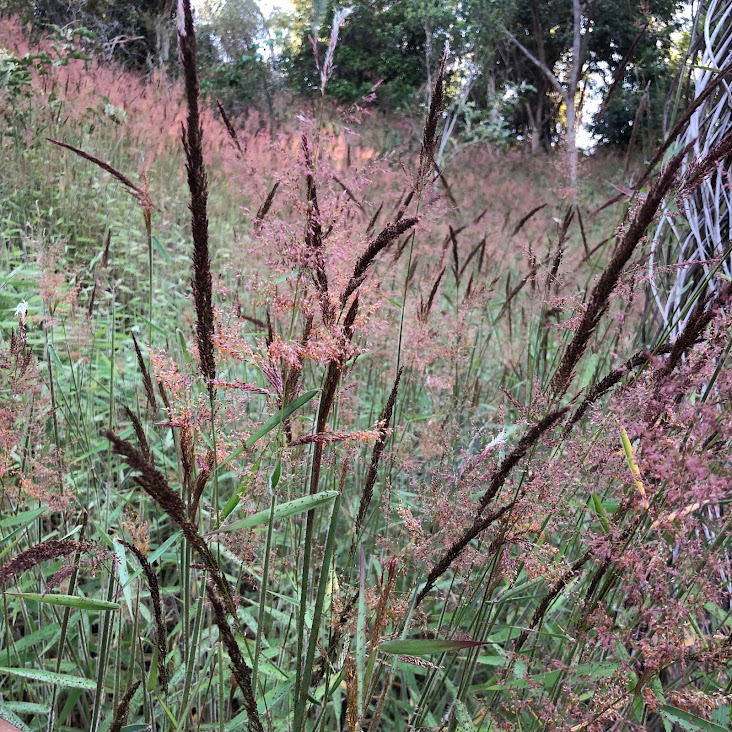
572 153
536 122
568 92
535 139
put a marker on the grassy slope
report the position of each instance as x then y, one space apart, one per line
478 364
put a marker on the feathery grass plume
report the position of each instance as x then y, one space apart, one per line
481 522
192 135
386 236
123 708
573 570
518 452
153 482
51 549
700 170
349 193
325 438
160 636
457 548
339 16
608 382
552 595
599 299
241 671
376 453
146 380
429 136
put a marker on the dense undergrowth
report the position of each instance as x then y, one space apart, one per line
410 453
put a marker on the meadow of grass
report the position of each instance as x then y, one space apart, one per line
315 438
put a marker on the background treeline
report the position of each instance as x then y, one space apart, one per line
503 54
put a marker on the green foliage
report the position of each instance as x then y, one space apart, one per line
137 33
561 610
392 43
233 45
16 73
651 73
546 29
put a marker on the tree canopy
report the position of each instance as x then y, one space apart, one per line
510 60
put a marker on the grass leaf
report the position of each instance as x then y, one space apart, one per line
283 510
51 677
80 603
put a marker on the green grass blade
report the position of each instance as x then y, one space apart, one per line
80 603
283 510
51 677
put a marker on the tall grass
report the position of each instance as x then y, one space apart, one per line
364 446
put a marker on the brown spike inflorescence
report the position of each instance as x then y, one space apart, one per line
123 708
386 236
153 482
376 453
600 297
51 549
241 671
146 380
429 136
152 583
198 186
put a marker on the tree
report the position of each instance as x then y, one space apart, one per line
233 36
136 32
395 42
561 52
581 19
